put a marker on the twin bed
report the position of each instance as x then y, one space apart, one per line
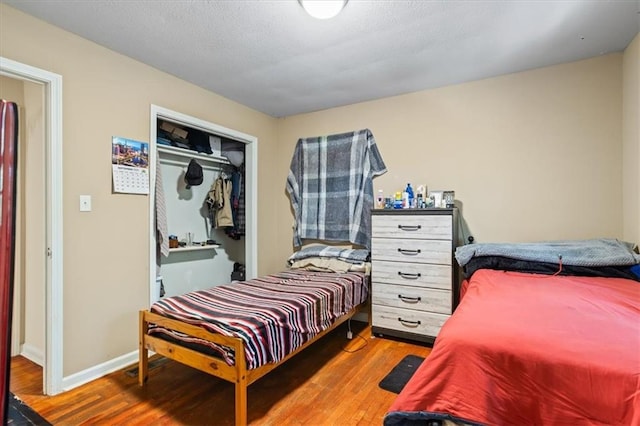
552 339
239 332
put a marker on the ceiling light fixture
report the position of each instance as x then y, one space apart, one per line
323 9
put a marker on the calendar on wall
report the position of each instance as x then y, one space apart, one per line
130 164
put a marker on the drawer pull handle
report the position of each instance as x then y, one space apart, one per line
411 252
409 299
409 227
409 276
409 323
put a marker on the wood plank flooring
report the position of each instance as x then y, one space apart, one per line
333 382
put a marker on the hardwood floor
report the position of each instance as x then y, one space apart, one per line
333 382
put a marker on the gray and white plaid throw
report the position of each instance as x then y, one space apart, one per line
330 187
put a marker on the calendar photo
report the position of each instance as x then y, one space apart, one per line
130 164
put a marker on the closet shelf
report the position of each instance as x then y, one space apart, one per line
193 248
186 153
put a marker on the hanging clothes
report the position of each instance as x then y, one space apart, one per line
219 201
237 182
162 233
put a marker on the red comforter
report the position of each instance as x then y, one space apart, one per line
525 349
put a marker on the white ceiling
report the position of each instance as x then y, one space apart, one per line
271 56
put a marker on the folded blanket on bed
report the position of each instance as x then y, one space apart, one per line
348 255
595 252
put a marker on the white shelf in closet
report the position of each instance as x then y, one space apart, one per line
187 153
193 248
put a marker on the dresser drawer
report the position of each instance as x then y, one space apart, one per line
412 226
412 274
416 298
409 250
407 320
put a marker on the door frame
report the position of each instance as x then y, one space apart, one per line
52 83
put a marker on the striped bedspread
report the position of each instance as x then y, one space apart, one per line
273 315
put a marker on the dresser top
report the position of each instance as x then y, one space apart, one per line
409 212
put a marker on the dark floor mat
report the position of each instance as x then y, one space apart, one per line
401 373
21 414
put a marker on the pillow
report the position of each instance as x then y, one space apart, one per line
324 251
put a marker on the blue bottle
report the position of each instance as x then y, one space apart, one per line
409 191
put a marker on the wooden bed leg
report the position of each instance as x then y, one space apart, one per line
242 383
241 401
143 353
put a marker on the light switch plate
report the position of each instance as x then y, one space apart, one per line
85 203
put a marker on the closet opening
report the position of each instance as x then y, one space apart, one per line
206 203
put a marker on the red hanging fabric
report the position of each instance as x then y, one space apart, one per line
8 168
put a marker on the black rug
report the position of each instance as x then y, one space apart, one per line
401 373
21 414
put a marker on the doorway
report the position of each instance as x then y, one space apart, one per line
27 333
50 87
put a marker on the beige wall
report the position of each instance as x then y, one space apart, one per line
631 142
11 89
534 155
106 273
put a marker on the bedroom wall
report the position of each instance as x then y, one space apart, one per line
631 142
534 155
106 257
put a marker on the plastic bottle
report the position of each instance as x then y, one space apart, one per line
409 192
380 199
397 203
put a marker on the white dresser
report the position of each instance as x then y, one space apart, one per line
414 276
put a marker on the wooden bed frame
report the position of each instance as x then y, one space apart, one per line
238 373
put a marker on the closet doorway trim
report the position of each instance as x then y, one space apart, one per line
251 188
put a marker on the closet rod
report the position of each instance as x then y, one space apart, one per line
183 164
191 154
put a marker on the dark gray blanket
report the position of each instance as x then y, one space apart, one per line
593 253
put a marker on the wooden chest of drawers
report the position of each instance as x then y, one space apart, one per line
414 275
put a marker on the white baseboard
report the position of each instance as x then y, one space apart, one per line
32 353
97 371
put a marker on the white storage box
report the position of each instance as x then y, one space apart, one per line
216 145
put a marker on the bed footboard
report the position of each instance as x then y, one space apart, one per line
237 374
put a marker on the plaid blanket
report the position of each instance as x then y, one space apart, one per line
273 315
330 187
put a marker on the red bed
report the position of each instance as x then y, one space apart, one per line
531 349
